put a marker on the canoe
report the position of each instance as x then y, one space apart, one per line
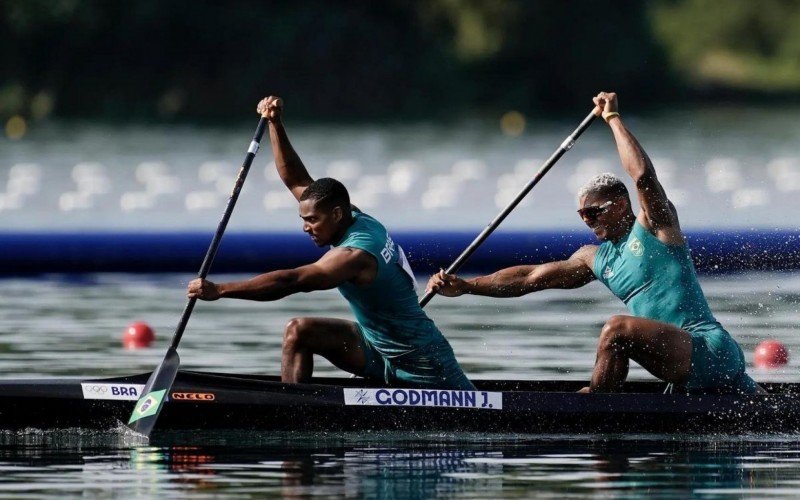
218 401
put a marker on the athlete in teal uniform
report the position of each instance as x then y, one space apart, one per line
400 341
392 340
658 281
644 260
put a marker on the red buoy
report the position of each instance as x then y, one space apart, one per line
137 335
770 354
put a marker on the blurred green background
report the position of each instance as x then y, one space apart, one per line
207 61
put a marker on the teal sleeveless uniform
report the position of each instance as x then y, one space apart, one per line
401 342
658 281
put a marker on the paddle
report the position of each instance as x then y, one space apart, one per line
144 415
565 146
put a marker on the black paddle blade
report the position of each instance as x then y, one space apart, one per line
145 414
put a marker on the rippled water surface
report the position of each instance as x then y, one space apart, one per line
398 466
72 325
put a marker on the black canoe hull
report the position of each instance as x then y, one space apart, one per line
218 401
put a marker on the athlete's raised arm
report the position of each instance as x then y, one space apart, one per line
290 168
658 214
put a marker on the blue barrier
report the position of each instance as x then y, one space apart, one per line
150 252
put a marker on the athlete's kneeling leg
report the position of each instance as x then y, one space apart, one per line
338 341
662 349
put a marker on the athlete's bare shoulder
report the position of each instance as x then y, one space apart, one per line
585 255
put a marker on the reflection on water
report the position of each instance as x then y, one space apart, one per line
398 466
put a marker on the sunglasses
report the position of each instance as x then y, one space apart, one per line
594 211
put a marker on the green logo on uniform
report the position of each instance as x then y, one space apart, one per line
635 246
147 406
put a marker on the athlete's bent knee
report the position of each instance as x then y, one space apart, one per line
294 332
614 335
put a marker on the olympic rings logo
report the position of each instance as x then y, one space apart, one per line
97 389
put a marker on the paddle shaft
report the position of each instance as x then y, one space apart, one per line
205 267
466 254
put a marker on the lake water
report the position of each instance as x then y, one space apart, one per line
723 167
72 325
390 466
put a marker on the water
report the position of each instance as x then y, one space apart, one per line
72 325
387 466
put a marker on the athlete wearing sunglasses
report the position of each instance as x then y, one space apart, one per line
644 260
592 212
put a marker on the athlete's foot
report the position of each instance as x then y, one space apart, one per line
585 390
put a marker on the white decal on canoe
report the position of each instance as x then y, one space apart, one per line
99 390
481 400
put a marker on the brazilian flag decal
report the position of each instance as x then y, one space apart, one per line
147 406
